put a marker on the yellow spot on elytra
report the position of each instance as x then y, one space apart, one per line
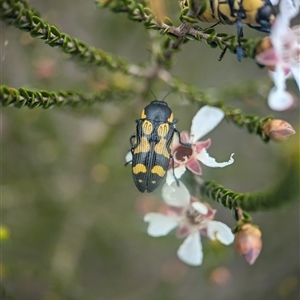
158 170
143 116
139 168
160 148
143 146
171 118
140 180
147 127
153 181
163 129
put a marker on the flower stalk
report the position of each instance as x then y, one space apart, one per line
281 193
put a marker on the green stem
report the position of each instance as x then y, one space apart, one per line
139 12
254 124
32 99
16 13
283 192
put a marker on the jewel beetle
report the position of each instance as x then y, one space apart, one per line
257 14
151 145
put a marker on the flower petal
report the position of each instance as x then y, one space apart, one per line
184 137
128 158
205 120
160 225
174 195
204 157
289 8
267 57
182 231
200 207
220 231
296 73
203 145
178 171
194 166
280 100
274 2
190 251
175 141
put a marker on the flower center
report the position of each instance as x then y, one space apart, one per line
193 216
183 153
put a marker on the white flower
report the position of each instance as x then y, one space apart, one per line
192 219
274 2
283 55
205 120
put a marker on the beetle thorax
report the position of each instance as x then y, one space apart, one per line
158 112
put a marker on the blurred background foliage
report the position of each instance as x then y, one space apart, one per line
72 219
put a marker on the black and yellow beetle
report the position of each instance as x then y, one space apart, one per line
151 145
257 14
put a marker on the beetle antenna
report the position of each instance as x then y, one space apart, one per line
163 97
166 95
152 93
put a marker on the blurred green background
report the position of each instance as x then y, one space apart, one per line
74 216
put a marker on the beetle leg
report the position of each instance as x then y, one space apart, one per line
128 162
132 147
260 28
182 143
240 34
131 141
212 26
222 53
239 24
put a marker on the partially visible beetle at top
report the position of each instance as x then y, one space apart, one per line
257 14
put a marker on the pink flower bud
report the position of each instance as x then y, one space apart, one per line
278 130
266 48
248 242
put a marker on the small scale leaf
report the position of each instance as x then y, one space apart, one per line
188 19
168 21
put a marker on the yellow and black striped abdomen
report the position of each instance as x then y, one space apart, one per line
258 14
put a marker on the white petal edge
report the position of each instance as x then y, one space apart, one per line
128 157
204 157
200 207
190 251
289 8
220 231
296 73
205 120
280 100
178 171
174 195
159 225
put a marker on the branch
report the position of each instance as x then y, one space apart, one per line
283 192
254 124
139 12
16 13
32 99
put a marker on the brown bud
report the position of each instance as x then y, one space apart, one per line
278 130
248 242
264 45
